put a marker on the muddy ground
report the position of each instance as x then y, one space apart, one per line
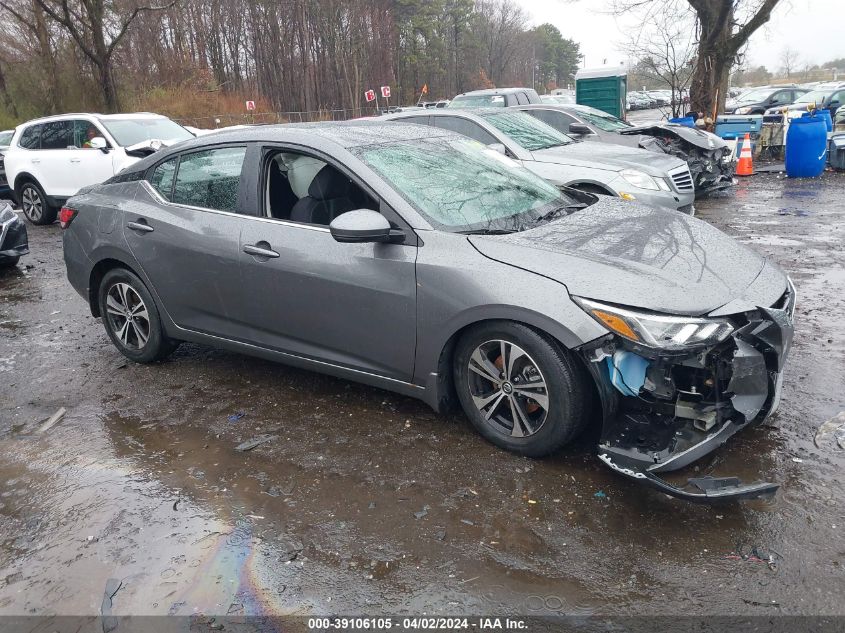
365 502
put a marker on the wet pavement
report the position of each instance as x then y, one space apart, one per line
365 502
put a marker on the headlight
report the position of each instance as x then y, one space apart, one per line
657 330
639 179
743 110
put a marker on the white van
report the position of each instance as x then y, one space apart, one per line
50 159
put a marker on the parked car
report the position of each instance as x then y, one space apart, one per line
422 262
5 139
759 100
661 97
443 103
13 238
495 98
629 173
50 159
709 158
823 99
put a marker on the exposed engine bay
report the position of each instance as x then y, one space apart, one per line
664 410
710 159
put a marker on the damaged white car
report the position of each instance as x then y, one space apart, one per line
50 159
710 159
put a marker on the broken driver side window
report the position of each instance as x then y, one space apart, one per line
301 188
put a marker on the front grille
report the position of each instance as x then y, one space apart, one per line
682 178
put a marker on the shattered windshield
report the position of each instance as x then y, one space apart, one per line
602 120
6 138
463 186
530 133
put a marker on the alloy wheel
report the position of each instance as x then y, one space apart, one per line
508 388
32 204
128 316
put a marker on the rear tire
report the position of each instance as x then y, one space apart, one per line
520 390
34 204
131 318
9 262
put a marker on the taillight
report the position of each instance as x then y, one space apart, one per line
66 216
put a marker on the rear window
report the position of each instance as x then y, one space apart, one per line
31 137
478 101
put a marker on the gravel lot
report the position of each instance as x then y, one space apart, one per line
365 502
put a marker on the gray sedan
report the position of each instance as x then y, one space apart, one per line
625 172
420 261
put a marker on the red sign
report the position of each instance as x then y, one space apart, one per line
385 92
370 95
250 105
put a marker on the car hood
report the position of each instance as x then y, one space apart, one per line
694 136
630 254
610 157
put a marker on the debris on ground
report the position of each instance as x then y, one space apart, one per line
109 622
440 534
54 419
754 555
423 512
755 603
256 441
600 495
236 416
835 427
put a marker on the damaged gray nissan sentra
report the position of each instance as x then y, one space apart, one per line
420 261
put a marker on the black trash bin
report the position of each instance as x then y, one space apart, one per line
836 153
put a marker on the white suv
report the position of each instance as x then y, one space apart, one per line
50 159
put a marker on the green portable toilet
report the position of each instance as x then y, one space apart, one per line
603 88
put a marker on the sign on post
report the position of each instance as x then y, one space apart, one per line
250 105
385 92
370 95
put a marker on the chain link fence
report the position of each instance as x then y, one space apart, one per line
264 118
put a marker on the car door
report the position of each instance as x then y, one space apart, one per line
352 305
56 178
86 165
183 229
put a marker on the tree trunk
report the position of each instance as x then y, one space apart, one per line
8 102
107 86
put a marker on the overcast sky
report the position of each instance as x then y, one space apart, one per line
814 28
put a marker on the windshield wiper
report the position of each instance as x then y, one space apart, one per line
487 232
557 211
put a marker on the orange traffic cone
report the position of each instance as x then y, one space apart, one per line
745 166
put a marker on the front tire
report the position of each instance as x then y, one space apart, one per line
131 318
9 262
520 390
34 204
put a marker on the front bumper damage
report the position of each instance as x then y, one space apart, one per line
13 237
710 159
689 404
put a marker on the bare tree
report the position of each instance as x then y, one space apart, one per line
97 27
789 60
723 29
665 49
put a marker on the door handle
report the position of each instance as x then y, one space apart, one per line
74 160
262 249
140 226
36 160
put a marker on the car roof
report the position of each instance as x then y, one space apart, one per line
468 113
492 91
102 117
347 134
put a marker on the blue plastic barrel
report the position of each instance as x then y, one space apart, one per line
806 147
688 121
825 115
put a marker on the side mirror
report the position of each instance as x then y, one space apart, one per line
580 129
359 226
499 147
98 142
